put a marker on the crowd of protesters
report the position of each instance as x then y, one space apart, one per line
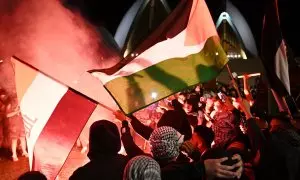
200 135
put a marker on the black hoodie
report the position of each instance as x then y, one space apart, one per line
105 162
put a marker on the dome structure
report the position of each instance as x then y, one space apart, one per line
140 20
234 31
238 42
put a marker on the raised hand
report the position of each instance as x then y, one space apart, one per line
119 115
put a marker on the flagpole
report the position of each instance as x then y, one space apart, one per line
106 107
279 101
234 83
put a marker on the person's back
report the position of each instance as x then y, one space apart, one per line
32 175
165 142
104 168
281 156
280 153
106 163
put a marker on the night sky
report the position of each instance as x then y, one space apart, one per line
109 13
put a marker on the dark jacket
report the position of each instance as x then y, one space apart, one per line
279 153
104 168
105 162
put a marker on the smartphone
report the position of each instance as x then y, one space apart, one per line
222 96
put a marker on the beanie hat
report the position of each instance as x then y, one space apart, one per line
142 168
104 139
164 143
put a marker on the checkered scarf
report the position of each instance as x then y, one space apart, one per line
142 168
164 143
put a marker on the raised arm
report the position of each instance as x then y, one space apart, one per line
140 128
256 137
131 148
247 90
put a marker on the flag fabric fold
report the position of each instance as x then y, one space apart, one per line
53 115
273 51
183 51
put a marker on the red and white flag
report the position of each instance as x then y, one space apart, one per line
54 115
55 94
273 50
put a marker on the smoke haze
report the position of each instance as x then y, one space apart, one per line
50 37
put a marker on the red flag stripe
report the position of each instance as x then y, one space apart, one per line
60 132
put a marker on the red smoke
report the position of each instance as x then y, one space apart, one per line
52 38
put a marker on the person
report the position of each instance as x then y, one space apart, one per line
165 142
32 175
247 92
202 138
142 168
225 124
165 146
14 124
191 112
105 162
175 118
2 118
200 142
279 150
181 97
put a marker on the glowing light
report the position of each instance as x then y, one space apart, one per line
136 54
154 95
239 56
132 54
235 56
217 53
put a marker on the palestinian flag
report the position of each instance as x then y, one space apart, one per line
53 116
183 51
273 51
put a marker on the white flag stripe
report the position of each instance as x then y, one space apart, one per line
38 103
282 66
175 47
170 48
